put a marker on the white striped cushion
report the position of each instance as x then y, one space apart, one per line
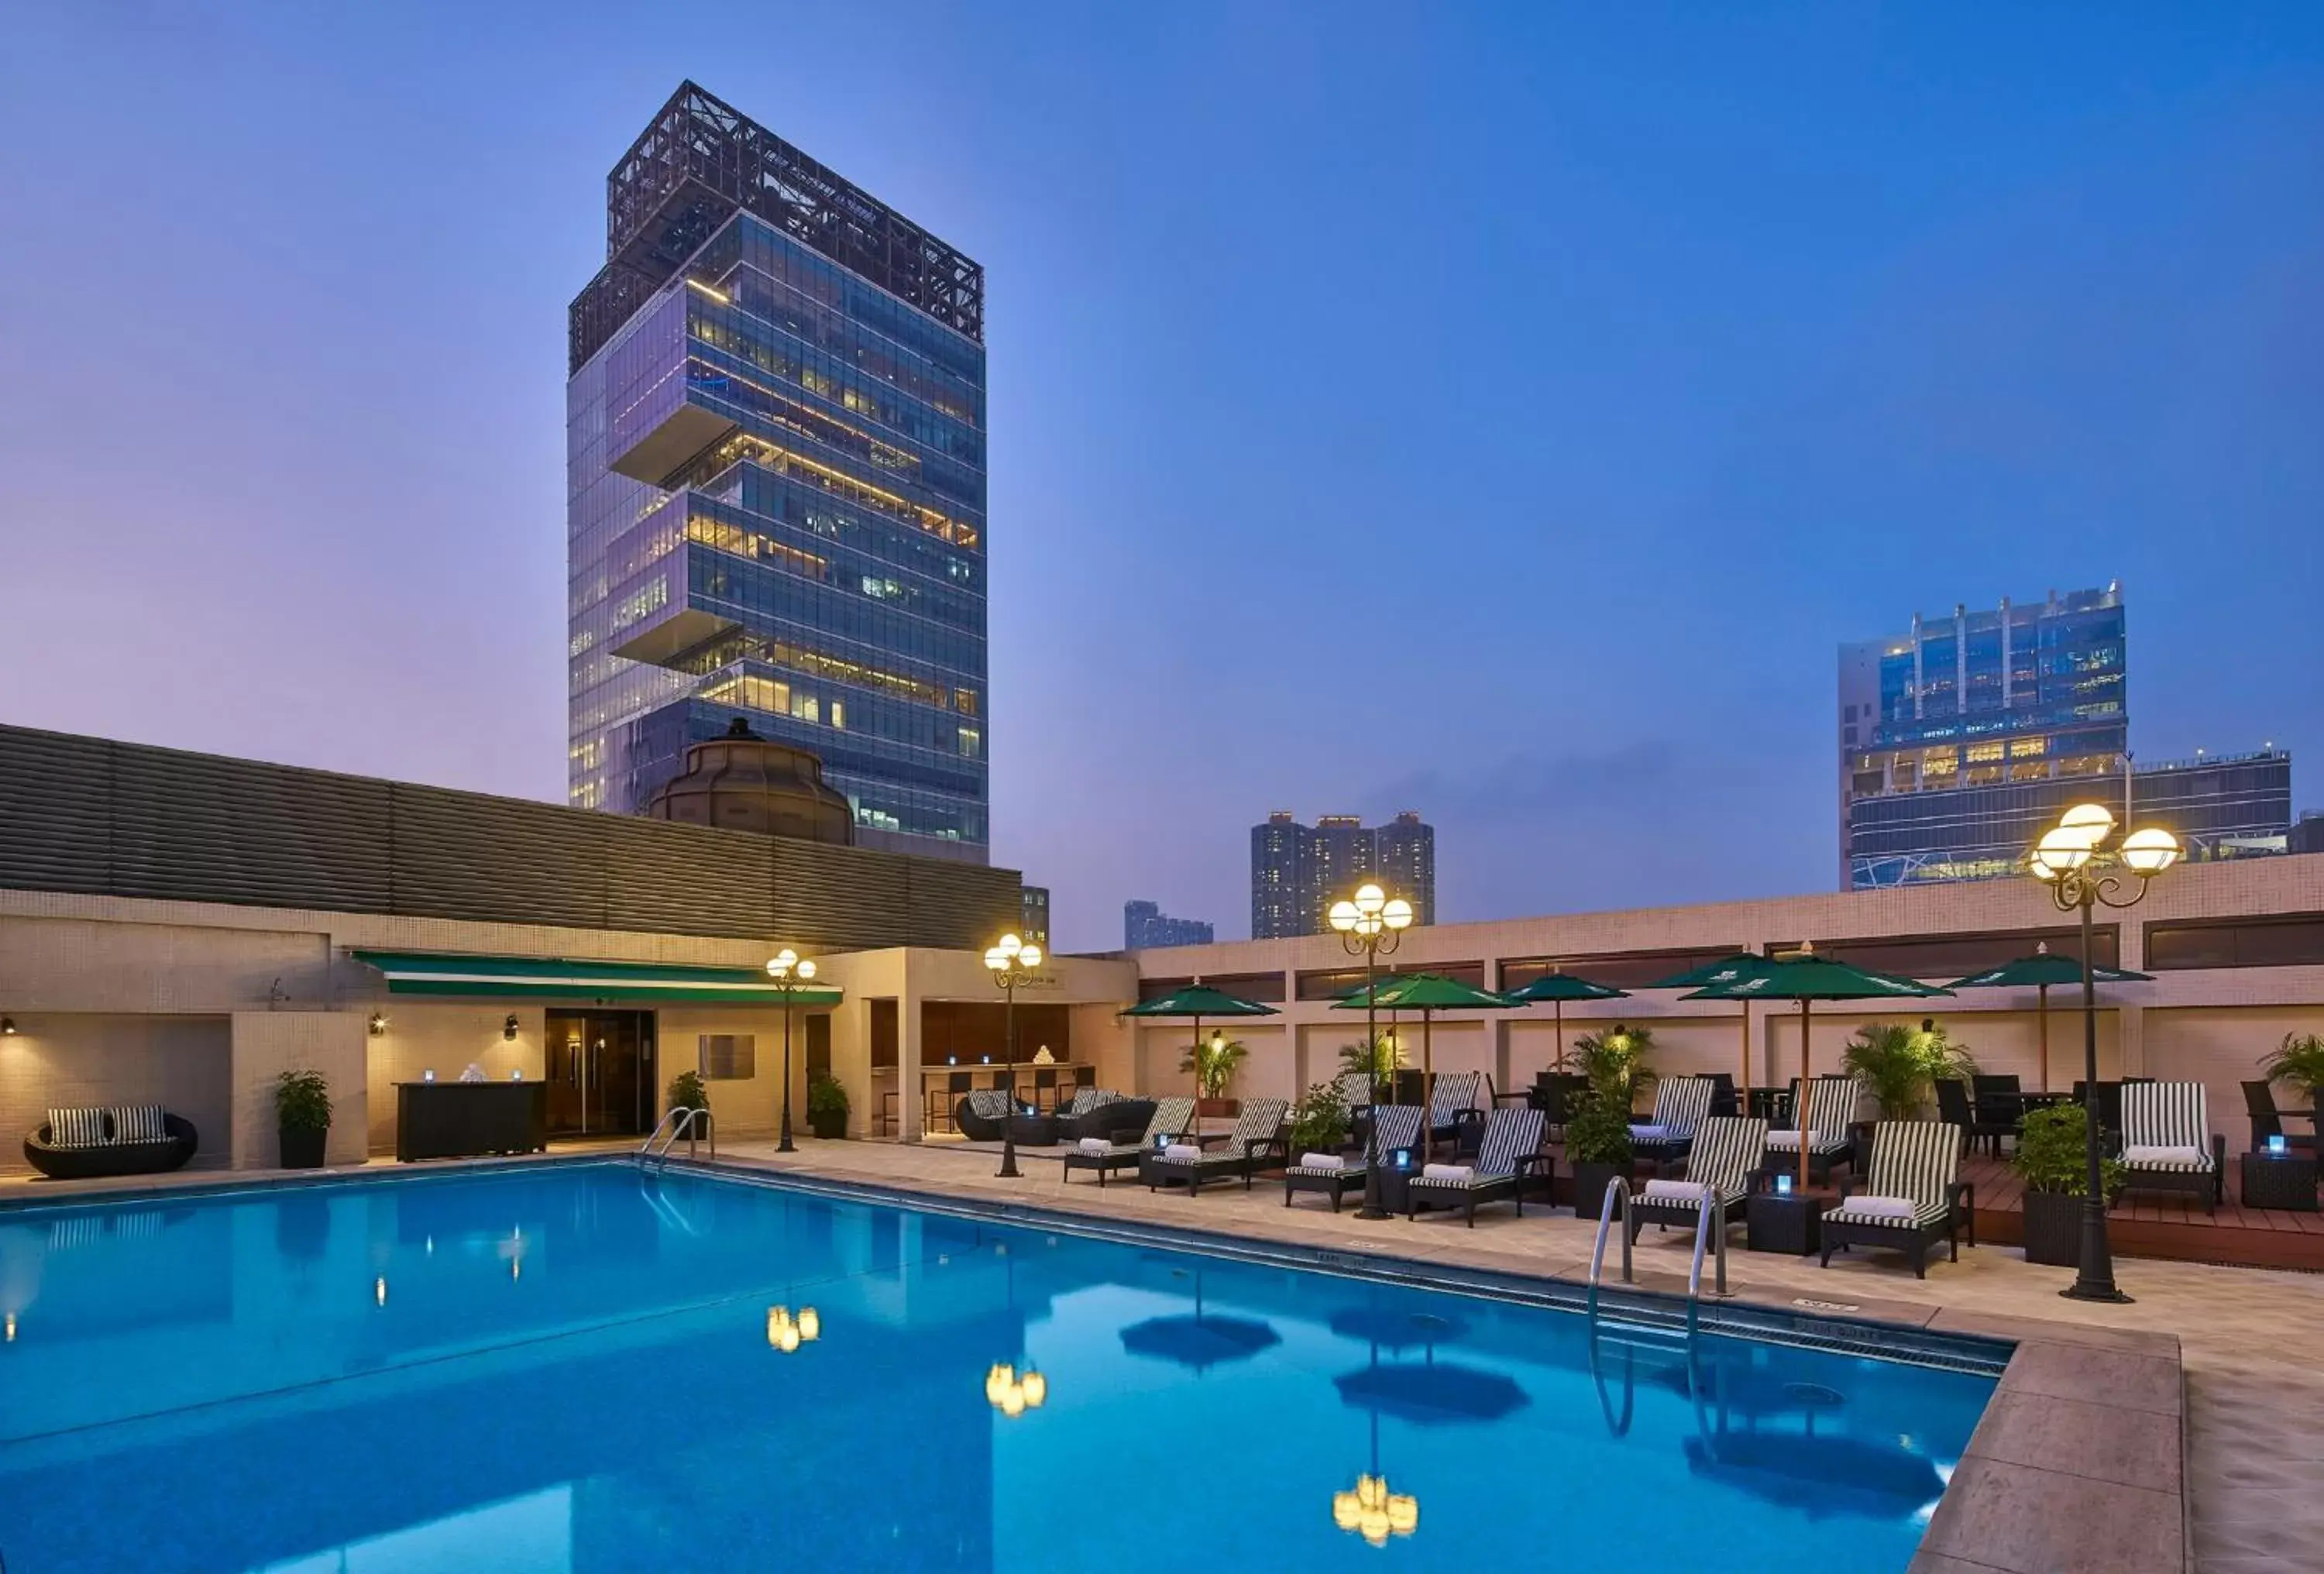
1399 1124
1848 1212
2185 1161
77 1129
139 1123
1456 1091
1727 1149
1170 1117
1913 1162
988 1103
1510 1134
2167 1115
1681 1104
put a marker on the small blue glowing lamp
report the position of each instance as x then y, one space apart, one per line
1782 1185
2275 1143
1401 1157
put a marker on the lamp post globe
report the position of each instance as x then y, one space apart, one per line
1011 960
1369 922
789 971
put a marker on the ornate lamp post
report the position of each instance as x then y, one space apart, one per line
1012 963
791 974
2073 860
1370 923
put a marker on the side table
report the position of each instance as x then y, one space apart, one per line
1791 1224
2280 1180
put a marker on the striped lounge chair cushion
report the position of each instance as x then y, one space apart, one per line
78 1128
1171 1117
989 1104
1727 1150
1681 1104
2166 1126
1915 1161
1832 1106
1260 1120
139 1123
1398 1126
1510 1134
1355 1089
1456 1091
1089 1098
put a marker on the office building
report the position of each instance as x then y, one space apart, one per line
1144 925
1963 739
1297 871
775 482
1033 918
2308 835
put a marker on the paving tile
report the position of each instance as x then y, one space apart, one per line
2040 1522
2105 1442
1927 1563
2113 1377
2055 1330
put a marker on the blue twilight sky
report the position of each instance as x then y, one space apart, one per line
1499 411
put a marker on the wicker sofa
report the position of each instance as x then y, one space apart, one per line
98 1160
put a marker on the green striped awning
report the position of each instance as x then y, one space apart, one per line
556 978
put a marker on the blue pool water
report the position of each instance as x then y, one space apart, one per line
578 1368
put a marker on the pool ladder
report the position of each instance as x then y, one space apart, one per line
666 1133
1709 1231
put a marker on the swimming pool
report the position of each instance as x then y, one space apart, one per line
582 1368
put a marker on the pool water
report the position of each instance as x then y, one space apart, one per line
585 1369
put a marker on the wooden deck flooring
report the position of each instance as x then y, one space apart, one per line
2156 1224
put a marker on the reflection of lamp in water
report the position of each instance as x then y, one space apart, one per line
785 1332
1375 1513
12 1328
1013 1393
379 1292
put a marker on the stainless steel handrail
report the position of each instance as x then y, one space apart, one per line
646 1149
1710 1221
1617 1202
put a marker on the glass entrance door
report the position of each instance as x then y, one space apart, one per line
600 1073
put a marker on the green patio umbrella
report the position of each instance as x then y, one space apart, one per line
1426 993
1557 987
2039 971
1804 976
1727 970
1197 1001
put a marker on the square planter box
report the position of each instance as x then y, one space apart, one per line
2054 1229
1793 1225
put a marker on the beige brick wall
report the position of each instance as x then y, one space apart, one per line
444 1038
265 1044
58 1060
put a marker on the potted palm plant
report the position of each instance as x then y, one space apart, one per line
826 1107
688 1091
1380 1061
1899 1065
2052 1160
1597 1146
1614 1062
302 1117
1319 1123
2298 1062
1213 1062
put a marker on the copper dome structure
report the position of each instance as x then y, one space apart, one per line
743 782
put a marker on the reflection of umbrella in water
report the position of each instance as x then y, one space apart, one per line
1431 1393
1396 1331
1199 1339
1823 1477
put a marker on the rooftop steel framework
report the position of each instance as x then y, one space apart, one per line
698 163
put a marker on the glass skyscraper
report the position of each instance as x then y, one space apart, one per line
1144 925
776 484
1961 740
1297 871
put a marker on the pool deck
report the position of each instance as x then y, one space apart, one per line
2183 1430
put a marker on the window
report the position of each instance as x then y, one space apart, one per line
2295 941
1946 957
1627 970
1330 983
728 1057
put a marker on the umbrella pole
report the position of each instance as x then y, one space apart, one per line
1746 1057
1428 1089
1559 1007
1198 1081
1800 1116
2042 993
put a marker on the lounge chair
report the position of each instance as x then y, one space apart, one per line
1400 1127
1258 1130
2267 1120
87 1144
1454 1102
2168 1144
1724 1158
1831 1111
1681 1105
1911 1199
1103 1112
1506 1161
1170 1117
982 1115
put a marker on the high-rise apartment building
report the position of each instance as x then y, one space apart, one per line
775 466
1033 914
1145 926
1962 740
1297 871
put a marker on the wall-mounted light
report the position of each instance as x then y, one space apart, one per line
378 1024
508 1028
7 1027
